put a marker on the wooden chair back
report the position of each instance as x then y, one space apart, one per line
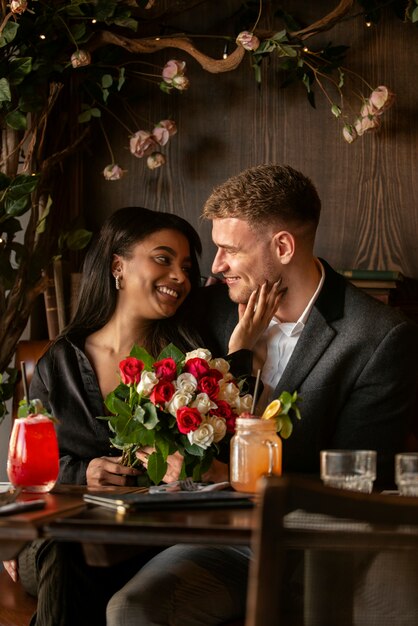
274 536
29 351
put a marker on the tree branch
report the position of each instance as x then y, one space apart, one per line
325 23
154 44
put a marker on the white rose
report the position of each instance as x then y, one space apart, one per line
203 403
220 364
199 353
179 399
219 427
202 437
186 382
244 404
228 392
147 383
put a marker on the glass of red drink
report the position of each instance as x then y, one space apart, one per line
33 459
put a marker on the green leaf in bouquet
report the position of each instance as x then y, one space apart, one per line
163 445
171 352
142 355
117 406
157 467
149 417
194 450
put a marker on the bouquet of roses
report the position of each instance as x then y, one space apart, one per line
183 403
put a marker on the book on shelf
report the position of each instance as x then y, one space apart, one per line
374 284
372 275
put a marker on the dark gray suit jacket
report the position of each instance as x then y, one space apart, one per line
355 367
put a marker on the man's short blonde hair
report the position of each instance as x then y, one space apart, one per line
267 195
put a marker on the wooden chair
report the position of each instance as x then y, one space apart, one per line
276 534
29 351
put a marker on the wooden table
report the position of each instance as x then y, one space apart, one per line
103 533
17 530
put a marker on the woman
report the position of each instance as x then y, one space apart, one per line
135 281
136 278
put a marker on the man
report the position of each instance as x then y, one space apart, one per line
352 360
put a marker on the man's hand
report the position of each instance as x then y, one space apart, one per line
107 470
255 316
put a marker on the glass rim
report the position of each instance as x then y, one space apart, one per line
349 452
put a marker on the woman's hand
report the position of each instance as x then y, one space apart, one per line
107 470
174 461
217 473
255 316
12 569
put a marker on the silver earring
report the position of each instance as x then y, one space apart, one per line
117 283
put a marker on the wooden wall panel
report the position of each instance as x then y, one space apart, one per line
369 189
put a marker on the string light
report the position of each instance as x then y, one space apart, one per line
42 37
368 21
225 52
305 49
94 21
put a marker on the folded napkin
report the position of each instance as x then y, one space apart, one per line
187 487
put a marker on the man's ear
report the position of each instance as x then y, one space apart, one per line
284 244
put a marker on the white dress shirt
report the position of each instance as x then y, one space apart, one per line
280 339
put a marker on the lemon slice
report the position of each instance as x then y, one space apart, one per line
272 410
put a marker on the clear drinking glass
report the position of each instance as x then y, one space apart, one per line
349 469
33 459
406 473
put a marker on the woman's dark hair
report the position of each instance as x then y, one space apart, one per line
121 231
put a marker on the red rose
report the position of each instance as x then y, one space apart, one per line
209 385
223 409
166 369
162 392
230 423
226 411
188 419
215 373
197 367
130 370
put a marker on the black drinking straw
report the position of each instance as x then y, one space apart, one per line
24 380
257 383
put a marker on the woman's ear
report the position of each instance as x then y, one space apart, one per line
116 264
284 244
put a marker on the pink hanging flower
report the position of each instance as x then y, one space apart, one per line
366 124
349 133
142 143
113 172
18 6
248 40
79 58
181 83
155 160
163 131
173 75
381 99
171 69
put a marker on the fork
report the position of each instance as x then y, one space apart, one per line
188 484
10 495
